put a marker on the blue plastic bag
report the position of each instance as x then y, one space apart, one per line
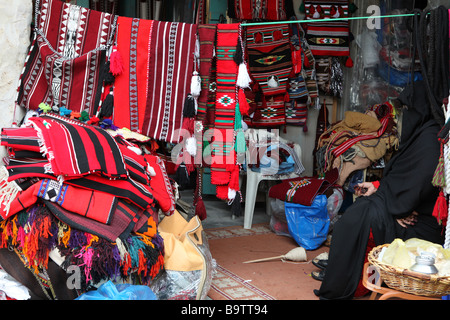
109 291
308 225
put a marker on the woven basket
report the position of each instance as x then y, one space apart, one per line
408 281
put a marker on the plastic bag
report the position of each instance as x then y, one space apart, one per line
188 262
334 202
308 225
110 291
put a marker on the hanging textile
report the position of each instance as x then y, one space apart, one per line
63 65
272 10
222 145
207 39
171 51
328 38
270 64
130 88
297 112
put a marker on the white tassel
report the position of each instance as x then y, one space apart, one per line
151 172
121 248
135 150
231 194
243 79
191 146
316 15
272 83
196 84
197 49
8 190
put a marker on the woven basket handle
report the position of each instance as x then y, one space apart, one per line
421 276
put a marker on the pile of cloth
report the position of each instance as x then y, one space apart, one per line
76 194
359 137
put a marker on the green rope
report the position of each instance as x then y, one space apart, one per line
321 20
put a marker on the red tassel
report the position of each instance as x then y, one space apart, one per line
188 124
234 179
258 37
440 211
116 62
349 62
243 103
277 35
222 192
200 209
297 61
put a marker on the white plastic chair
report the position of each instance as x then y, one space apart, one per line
258 140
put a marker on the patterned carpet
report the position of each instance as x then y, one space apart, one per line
271 280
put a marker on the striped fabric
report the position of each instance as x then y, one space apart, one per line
297 112
270 64
329 38
171 50
269 55
63 65
323 9
272 10
75 150
271 112
341 148
130 87
206 37
222 147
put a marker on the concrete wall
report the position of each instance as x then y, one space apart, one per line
15 20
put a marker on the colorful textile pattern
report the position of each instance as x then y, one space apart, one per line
373 134
303 190
323 9
272 10
207 39
171 52
91 160
33 234
63 65
297 112
74 150
222 147
269 55
270 64
329 38
130 87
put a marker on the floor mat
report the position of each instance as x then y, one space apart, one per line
277 279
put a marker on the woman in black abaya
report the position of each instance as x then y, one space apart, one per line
404 190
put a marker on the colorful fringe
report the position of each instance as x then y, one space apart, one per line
35 232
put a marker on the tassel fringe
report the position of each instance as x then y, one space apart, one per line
34 233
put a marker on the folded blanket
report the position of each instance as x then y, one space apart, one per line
74 150
303 190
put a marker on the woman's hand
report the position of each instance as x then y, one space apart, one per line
409 220
365 189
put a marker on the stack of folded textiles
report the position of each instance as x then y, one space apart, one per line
73 191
